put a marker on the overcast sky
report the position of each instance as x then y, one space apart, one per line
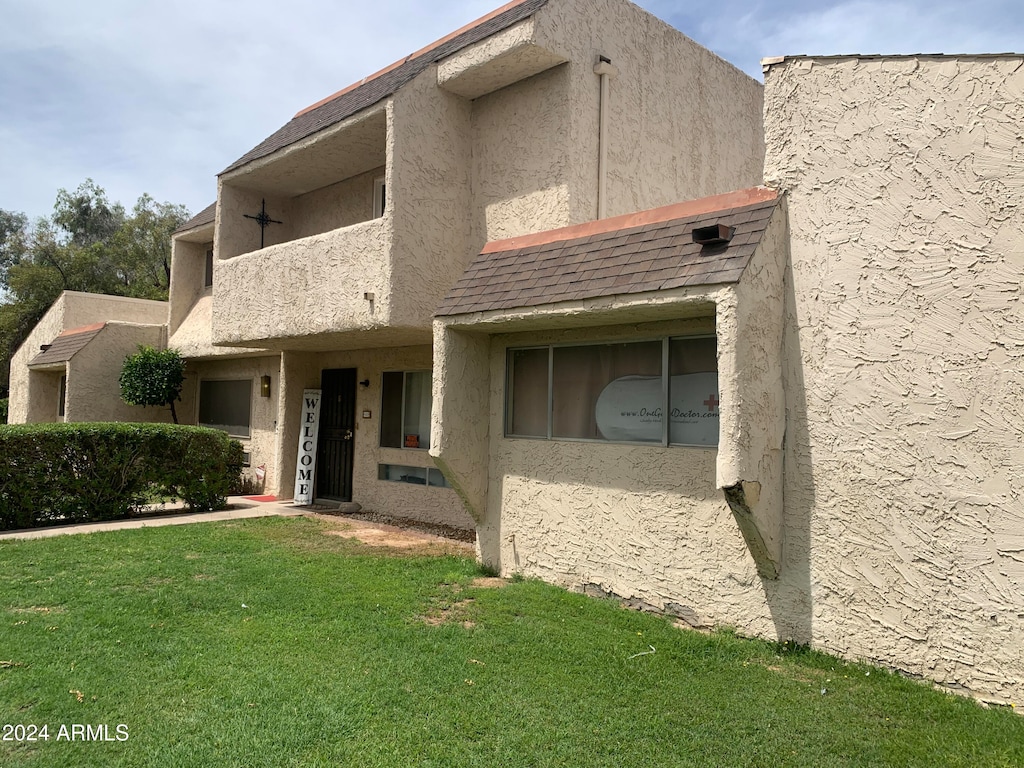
160 97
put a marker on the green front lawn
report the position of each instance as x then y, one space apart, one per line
269 643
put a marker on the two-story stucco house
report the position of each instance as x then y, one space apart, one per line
543 114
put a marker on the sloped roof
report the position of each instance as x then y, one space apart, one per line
369 91
637 253
201 219
67 344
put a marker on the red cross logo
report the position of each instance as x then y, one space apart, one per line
712 402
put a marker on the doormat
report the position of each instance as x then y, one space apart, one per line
261 498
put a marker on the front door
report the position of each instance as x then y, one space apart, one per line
337 430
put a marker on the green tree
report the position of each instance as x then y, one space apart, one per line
87 244
153 377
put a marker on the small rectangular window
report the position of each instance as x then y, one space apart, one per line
398 473
208 280
62 396
405 409
226 405
380 196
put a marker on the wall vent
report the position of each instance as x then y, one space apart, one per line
716 234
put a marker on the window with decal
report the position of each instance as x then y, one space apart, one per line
660 392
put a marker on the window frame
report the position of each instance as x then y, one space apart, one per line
380 191
199 406
405 391
666 377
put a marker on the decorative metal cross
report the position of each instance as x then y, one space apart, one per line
711 402
263 220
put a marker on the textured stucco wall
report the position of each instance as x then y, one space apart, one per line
305 287
72 309
429 155
460 416
520 140
303 371
338 205
235 233
905 352
262 441
749 322
188 278
94 390
641 522
683 123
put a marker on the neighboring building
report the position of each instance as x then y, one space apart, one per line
863 490
63 370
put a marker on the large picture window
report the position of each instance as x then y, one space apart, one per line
662 391
405 409
226 405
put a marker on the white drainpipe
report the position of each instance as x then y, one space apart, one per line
605 71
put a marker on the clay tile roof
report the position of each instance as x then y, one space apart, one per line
384 83
637 253
201 219
67 344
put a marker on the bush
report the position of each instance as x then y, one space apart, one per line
62 473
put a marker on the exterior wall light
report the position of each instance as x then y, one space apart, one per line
264 386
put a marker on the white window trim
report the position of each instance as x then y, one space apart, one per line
379 201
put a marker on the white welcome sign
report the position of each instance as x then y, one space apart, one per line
305 463
631 409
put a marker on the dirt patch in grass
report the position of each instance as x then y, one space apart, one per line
391 537
42 610
450 613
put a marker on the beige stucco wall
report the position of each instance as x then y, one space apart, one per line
905 353
305 287
262 440
188 276
303 371
94 389
33 396
429 154
520 140
337 205
642 522
683 123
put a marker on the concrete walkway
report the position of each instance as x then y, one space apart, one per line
241 507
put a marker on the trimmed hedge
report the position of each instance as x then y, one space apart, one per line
64 473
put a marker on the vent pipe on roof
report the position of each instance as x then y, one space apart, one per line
716 234
605 71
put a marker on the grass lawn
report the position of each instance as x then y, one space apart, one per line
268 643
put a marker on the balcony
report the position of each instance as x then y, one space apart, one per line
326 291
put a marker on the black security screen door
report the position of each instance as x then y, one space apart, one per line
337 425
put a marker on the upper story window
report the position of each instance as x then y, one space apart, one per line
659 392
379 196
405 409
208 279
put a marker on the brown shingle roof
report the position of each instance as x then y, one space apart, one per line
384 83
201 219
67 344
647 251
